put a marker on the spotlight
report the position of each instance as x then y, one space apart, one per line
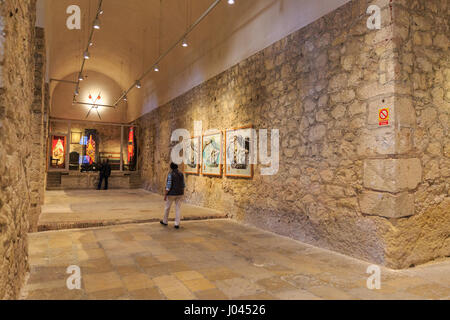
156 69
97 24
138 84
125 98
100 12
230 1
184 44
80 77
77 92
86 55
91 44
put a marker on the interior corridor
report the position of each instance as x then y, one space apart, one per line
307 143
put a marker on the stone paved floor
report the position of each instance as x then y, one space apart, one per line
214 260
72 209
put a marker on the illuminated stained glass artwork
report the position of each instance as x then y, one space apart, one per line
90 150
131 145
58 156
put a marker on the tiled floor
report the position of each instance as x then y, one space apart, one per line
216 259
77 208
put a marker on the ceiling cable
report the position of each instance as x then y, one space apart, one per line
86 55
162 56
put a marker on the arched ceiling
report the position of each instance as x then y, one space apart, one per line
134 32
96 85
125 44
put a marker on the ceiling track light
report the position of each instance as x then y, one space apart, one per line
231 2
184 44
97 24
125 98
138 84
86 55
156 69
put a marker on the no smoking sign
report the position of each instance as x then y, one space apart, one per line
383 117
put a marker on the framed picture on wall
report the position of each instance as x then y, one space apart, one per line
191 156
238 152
212 154
75 137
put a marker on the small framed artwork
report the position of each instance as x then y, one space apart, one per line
191 156
75 137
238 152
212 154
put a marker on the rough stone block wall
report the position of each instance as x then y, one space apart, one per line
423 74
17 19
39 109
344 183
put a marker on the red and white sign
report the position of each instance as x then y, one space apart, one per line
383 117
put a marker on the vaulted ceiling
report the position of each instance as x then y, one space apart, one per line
134 32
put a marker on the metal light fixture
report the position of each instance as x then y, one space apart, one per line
86 55
184 44
156 69
80 77
138 84
230 1
97 24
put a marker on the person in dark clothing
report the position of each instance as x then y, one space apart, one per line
174 193
105 173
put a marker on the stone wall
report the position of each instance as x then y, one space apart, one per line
423 73
39 131
16 97
345 183
89 181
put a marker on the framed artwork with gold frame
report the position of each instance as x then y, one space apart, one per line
212 148
238 152
75 137
192 156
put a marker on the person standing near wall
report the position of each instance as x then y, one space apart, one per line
174 193
105 173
